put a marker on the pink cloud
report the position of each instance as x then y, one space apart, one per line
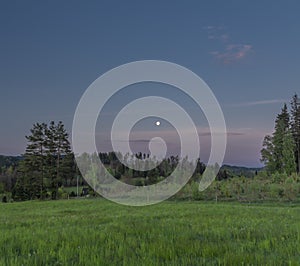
232 53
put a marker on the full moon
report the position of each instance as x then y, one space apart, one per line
157 123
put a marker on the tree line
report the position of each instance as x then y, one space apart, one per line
48 163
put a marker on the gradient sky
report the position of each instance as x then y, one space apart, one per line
51 51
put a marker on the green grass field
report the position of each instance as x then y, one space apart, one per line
98 232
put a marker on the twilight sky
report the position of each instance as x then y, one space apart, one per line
51 51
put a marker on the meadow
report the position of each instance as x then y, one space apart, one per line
98 232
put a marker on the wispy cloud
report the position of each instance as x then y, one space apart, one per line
204 134
137 140
232 53
260 102
222 37
216 33
208 27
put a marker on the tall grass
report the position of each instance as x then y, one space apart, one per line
97 232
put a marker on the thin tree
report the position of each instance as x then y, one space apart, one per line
288 153
59 154
267 154
295 127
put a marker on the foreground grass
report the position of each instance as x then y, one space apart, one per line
97 232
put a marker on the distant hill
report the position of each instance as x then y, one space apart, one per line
6 161
241 170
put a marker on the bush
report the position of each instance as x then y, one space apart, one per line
4 199
278 178
196 194
296 177
290 192
139 182
72 194
289 180
60 191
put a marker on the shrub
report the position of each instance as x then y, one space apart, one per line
138 182
196 194
72 194
278 178
4 199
